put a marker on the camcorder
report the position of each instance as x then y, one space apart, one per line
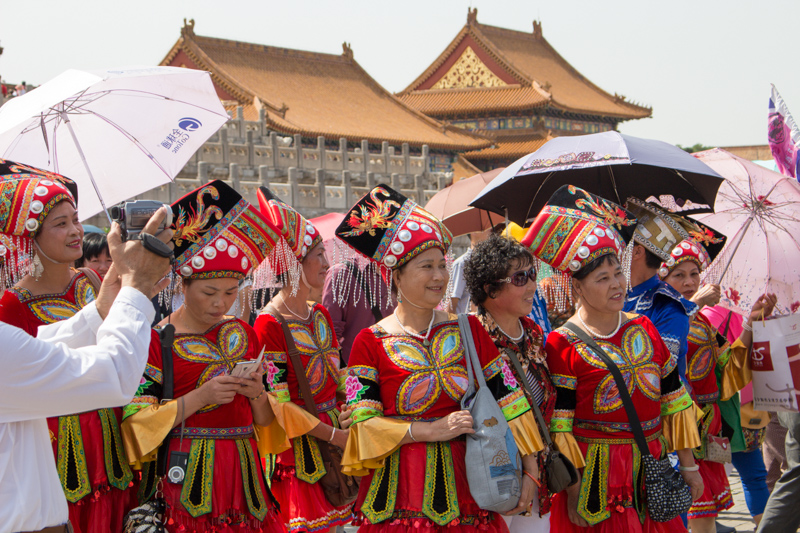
132 218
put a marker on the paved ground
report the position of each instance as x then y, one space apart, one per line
738 516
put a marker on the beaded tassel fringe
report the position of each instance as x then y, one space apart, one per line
353 273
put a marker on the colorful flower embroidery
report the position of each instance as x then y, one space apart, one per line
354 389
273 373
508 378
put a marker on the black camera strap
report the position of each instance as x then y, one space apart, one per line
167 337
153 244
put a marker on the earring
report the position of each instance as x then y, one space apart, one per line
399 296
37 268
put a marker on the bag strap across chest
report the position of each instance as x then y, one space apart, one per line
299 372
622 387
294 355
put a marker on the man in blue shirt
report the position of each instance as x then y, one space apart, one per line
657 233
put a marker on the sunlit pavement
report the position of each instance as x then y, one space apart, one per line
738 516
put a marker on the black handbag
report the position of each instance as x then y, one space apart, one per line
666 492
560 471
149 516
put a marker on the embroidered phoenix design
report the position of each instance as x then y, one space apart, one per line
190 227
612 215
705 236
372 216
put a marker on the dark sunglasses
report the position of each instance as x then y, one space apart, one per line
520 279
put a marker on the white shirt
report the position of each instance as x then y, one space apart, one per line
79 364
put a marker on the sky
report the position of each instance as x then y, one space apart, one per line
705 67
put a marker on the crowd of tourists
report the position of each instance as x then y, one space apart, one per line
358 406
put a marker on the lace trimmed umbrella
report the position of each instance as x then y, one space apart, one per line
759 211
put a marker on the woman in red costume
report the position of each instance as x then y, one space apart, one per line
406 378
42 214
299 261
688 259
581 235
214 417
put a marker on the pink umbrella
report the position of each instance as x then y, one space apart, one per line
451 205
758 211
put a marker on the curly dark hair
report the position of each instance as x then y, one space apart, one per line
490 261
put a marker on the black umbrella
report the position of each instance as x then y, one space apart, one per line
608 164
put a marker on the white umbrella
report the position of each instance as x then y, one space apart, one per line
116 133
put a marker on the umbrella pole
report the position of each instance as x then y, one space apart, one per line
66 120
756 208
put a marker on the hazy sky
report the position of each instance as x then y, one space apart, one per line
704 66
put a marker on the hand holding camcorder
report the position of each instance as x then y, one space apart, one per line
132 218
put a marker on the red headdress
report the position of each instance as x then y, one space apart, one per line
572 230
298 236
219 235
390 230
701 248
27 195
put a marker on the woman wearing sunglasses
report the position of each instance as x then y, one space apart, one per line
501 280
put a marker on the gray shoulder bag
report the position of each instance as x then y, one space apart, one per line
494 467
560 471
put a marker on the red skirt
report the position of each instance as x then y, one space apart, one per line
716 489
619 498
105 507
410 494
228 511
303 505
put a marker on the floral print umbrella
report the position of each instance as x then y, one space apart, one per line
758 210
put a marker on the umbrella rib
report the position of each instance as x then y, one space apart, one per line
689 183
161 96
614 184
133 139
528 213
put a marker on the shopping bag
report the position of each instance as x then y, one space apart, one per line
775 360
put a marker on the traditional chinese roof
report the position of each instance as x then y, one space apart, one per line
490 69
509 148
463 169
312 93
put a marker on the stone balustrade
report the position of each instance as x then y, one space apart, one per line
315 181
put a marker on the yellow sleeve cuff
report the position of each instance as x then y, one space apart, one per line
526 433
737 373
144 431
680 429
568 446
370 442
291 421
752 419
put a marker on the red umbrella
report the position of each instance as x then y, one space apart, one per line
451 205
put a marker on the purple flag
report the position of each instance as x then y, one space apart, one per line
783 135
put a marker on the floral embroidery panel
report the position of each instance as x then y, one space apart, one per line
436 369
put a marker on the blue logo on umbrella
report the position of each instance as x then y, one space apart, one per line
190 124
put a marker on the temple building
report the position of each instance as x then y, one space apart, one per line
515 89
319 95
